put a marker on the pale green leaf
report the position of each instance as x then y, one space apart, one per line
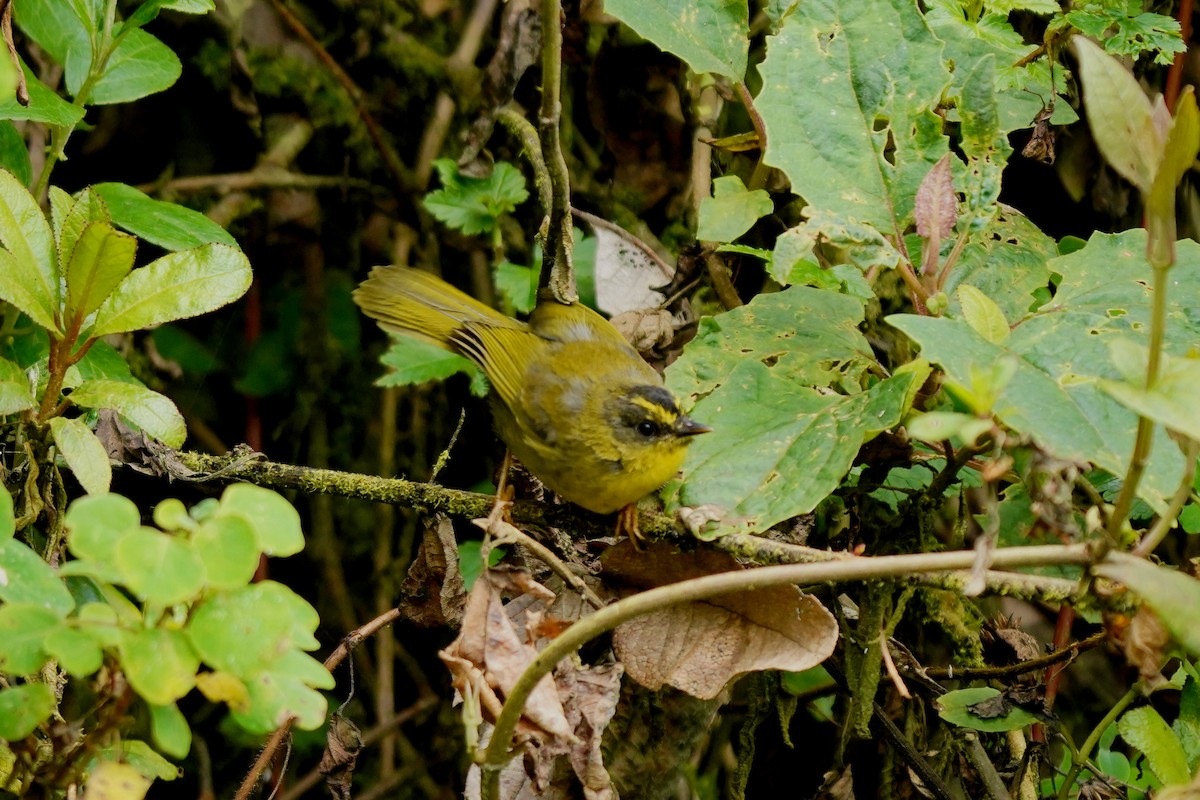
71 215
23 708
956 708
709 35
96 524
23 631
54 25
26 578
75 651
149 9
159 568
30 263
140 66
1007 262
731 211
518 284
1145 729
160 664
274 521
229 549
411 361
170 730
16 393
982 314
168 225
152 412
44 105
178 285
101 258
1119 115
472 205
84 454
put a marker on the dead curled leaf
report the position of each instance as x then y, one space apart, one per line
565 715
432 594
700 647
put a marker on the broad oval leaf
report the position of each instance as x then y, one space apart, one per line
168 225
69 216
29 275
731 211
154 413
159 568
84 454
274 521
176 286
23 708
100 259
955 708
229 549
160 664
170 730
76 651
96 524
1145 729
23 631
982 314
44 105
141 65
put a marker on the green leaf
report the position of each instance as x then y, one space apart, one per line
1145 729
982 314
71 215
16 394
937 426
170 730
229 549
1179 154
159 568
168 225
1125 33
1173 596
473 205
23 631
518 284
414 362
96 525
955 708
149 9
76 652
1119 115
1187 724
141 65
160 664
273 521
246 630
141 757
709 35
28 269
843 240
84 454
14 154
56 26
152 412
1007 262
1170 400
779 448
44 105
276 698
100 259
731 211
849 89
176 286
23 708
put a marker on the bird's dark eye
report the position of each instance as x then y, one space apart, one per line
647 429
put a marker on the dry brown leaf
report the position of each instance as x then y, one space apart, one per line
496 652
342 745
838 786
432 594
700 647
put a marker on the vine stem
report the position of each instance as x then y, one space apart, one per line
557 269
609 617
1080 757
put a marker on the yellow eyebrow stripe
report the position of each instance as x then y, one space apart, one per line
656 412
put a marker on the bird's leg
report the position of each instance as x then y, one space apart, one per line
627 523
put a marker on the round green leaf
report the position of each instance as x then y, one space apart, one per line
229 549
178 285
100 621
248 629
84 454
23 631
160 664
172 515
276 698
954 707
96 524
23 707
154 413
170 730
273 519
159 568
26 578
77 652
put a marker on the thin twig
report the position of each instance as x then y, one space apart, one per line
1012 670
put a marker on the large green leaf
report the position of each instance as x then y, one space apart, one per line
168 225
848 98
411 361
731 211
247 630
84 454
56 27
154 413
710 35
274 521
1062 352
1008 263
159 568
176 286
29 276
160 664
101 258
1145 729
140 66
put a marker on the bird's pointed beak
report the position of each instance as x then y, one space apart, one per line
686 426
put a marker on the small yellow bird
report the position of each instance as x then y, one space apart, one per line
571 398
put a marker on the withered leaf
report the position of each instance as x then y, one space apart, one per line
343 743
432 594
700 647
